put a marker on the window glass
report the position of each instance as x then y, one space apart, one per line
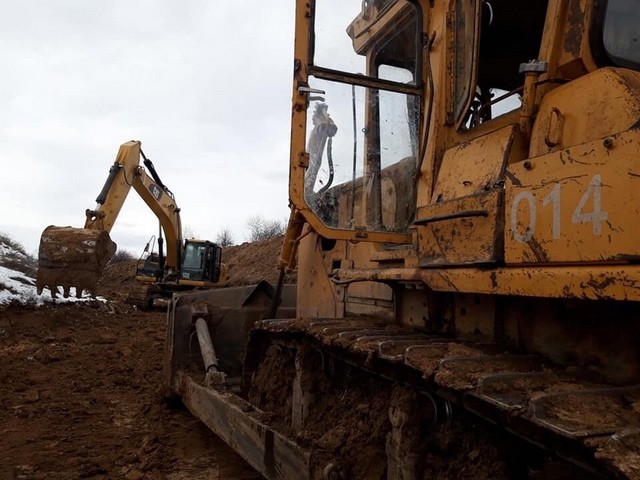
362 149
491 103
465 33
347 32
622 32
193 256
362 142
509 34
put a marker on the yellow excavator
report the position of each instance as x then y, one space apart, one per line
464 179
76 257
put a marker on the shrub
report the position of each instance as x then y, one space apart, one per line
261 229
122 256
225 238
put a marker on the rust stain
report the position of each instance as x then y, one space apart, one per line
602 284
494 280
628 257
538 251
598 287
572 159
515 180
573 36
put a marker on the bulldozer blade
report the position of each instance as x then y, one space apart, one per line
230 314
72 258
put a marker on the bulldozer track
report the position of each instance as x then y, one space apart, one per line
567 412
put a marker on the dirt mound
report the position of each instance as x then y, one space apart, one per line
14 257
247 264
251 262
117 280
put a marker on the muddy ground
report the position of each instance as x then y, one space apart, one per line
81 397
81 390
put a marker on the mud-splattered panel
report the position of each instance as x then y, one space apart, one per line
580 204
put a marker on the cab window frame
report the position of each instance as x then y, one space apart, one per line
362 80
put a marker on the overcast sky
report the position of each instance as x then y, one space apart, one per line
205 85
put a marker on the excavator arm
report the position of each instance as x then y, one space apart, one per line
75 257
125 173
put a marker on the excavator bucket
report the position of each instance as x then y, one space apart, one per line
72 258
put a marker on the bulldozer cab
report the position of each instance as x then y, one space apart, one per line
368 85
360 88
410 119
201 261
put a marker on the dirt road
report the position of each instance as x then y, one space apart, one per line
81 397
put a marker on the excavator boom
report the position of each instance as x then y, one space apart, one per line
76 257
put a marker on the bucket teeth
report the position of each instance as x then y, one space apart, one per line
68 291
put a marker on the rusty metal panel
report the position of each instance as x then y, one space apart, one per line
364 31
370 298
578 282
464 230
602 103
313 277
588 282
463 223
475 317
580 204
238 424
572 46
473 167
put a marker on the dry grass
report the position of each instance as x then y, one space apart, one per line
17 257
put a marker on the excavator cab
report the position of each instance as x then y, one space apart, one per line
200 268
201 261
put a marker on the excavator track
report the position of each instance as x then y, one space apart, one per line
565 423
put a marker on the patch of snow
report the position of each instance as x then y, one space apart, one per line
15 287
7 251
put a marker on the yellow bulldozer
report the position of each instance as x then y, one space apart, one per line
464 179
71 258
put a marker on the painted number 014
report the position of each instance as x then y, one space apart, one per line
596 216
